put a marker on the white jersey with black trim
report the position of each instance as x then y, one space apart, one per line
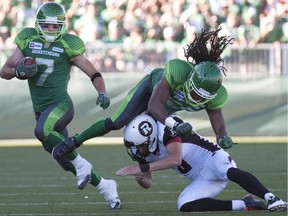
196 150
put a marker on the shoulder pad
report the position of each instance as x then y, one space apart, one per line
73 44
24 36
25 33
177 71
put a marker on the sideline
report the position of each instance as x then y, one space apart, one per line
119 141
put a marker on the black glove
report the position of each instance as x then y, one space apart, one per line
183 128
103 100
25 71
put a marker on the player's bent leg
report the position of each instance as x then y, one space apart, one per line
247 181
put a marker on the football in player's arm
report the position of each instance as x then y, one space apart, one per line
53 52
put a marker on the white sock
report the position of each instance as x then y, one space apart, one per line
238 205
269 196
100 185
77 161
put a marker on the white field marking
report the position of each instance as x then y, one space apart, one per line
77 214
119 141
68 186
84 203
91 194
181 179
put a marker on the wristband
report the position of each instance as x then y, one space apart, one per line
102 93
170 122
95 75
144 167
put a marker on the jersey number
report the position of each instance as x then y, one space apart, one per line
184 167
49 63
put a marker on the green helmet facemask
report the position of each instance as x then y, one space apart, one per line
50 13
205 81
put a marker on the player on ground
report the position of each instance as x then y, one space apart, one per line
55 52
156 147
192 85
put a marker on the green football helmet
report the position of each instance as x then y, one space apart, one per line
50 13
204 81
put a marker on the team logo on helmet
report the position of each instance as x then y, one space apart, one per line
142 130
145 128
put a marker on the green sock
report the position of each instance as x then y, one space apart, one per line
95 178
95 130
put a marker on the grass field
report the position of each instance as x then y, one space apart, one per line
31 183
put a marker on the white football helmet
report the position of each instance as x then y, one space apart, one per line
141 130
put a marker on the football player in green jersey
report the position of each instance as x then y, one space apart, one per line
192 85
55 52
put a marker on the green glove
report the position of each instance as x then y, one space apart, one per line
103 100
24 71
183 128
225 142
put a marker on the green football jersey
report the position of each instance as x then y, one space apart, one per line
176 72
53 59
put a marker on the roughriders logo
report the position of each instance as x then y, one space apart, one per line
171 132
145 128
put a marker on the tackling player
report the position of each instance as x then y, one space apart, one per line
192 85
55 52
156 147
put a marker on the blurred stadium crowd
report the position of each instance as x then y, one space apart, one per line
132 22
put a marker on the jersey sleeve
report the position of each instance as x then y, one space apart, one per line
24 36
74 46
166 135
220 100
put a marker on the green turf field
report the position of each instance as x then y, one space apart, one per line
31 183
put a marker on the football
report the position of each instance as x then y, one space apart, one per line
29 61
26 68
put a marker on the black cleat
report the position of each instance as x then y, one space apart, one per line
253 204
64 147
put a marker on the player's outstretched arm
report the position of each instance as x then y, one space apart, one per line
159 97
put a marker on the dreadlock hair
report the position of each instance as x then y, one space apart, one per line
199 51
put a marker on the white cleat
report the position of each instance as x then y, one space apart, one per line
277 204
83 174
108 188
